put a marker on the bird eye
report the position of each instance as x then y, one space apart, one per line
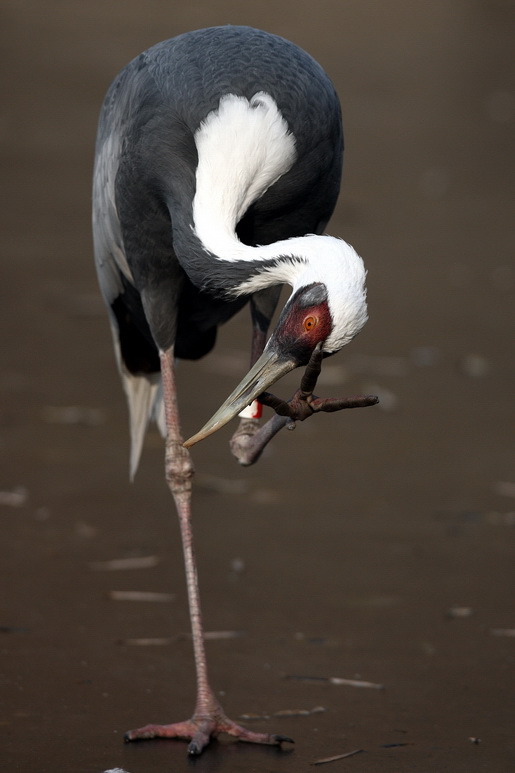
310 323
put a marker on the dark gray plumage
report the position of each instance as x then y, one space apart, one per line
154 108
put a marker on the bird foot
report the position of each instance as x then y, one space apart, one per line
200 729
249 440
304 403
247 428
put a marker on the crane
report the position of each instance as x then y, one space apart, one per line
217 167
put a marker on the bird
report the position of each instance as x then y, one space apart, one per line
218 163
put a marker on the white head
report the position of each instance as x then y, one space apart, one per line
336 267
327 307
339 307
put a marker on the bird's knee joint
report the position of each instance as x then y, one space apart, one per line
179 468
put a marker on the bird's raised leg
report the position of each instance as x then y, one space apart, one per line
208 719
302 405
262 307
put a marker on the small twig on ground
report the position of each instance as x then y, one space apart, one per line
337 680
336 757
122 564
139 595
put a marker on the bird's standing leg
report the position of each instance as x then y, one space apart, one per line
208 719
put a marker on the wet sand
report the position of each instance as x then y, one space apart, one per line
371 545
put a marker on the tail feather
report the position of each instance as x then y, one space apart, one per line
145 399
144 393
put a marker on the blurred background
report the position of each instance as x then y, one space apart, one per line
372 545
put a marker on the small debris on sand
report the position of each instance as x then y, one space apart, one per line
120 564
504 488
237 565
299 712
475 366
148 642
456 612
338 681
73 414
218 635
15 498
162 640
356 683
140 595
116 770
285 713
336 757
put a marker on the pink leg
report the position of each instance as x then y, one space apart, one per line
208 719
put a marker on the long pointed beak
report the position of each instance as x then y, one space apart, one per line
266 371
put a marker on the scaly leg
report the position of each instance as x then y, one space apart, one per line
243 443
208 719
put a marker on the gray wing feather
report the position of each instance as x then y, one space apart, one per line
143 391
110 257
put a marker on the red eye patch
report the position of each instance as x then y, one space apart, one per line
311 325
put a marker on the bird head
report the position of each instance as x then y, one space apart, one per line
327 307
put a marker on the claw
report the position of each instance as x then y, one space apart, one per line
279 739
196 747
304 403
200 730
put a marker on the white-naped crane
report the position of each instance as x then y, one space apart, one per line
218 165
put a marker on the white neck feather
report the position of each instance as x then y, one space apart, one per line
243 148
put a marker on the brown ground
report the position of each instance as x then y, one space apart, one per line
374 544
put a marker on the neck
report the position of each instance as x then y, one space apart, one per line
244 147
